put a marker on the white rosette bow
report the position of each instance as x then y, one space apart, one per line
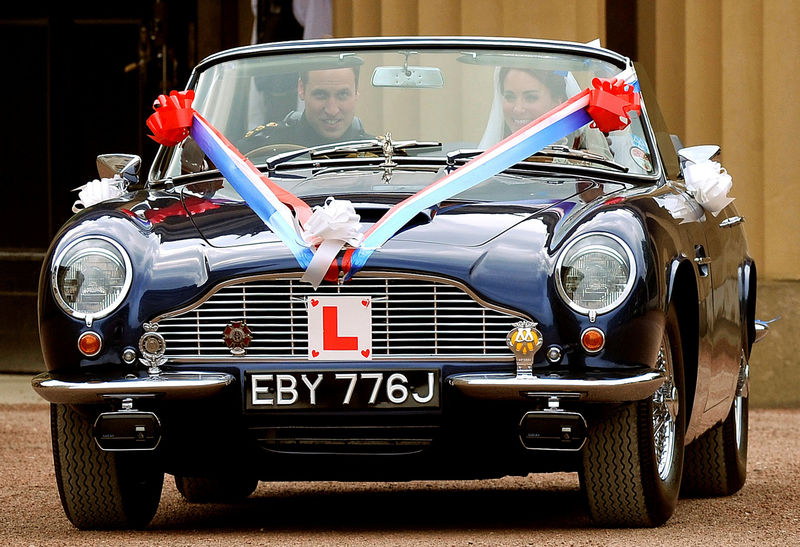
96 191
330 228
709 184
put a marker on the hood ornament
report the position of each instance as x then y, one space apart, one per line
388 151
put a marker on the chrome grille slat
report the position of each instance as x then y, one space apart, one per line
412 318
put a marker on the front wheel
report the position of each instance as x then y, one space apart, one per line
100 489
716 463
633 459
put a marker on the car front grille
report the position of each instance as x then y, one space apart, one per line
412 318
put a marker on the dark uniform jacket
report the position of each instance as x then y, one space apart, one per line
295 129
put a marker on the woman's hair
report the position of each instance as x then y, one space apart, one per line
555 83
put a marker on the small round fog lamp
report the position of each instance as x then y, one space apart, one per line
593 340
90 343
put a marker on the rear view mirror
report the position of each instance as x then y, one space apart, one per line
407 76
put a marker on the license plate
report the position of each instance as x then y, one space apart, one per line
343 390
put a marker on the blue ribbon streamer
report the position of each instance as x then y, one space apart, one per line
224 161
491 166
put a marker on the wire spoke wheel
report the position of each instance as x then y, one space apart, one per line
665 413
633 458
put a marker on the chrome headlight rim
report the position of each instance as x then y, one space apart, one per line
126 285
628 284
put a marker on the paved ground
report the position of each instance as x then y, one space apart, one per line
537 510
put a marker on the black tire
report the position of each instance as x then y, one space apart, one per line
100 490
716 462
620 473
215 489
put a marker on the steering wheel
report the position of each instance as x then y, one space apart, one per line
269 150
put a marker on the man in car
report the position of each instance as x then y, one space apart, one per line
330 98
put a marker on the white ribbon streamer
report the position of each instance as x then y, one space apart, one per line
96 191
709 184
331 227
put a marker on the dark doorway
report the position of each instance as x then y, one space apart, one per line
78 82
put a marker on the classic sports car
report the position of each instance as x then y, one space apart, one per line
397 259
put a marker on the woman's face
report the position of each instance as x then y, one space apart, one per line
525 98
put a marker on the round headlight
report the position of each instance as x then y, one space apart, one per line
91 276
595 273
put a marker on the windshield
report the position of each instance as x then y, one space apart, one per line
464 99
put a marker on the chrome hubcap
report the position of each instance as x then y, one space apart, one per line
665 413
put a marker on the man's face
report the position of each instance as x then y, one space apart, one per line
330 97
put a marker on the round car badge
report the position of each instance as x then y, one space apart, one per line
525 339
237 336
152 345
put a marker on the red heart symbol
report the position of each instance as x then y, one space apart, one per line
314 353
365 303
314 302
365 352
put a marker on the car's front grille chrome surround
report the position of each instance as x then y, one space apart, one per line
413 318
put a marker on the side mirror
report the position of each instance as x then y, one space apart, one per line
407 76
697 154
125 165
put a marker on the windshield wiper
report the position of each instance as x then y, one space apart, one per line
560 151
342 150
274 161
552 151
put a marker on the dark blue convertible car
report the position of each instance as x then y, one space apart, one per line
583 305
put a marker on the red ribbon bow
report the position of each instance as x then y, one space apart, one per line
172 119
609 104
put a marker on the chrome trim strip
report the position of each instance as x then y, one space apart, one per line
731 221
508 386
169 386
370 274
303 358
383 42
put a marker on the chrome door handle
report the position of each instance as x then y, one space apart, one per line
731 221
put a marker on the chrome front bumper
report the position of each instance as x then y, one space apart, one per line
509 386
166 386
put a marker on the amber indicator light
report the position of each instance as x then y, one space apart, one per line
89 343
593 340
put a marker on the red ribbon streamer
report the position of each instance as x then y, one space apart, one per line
171 123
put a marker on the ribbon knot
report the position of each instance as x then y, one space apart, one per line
331 226
610 100
172 119
334 220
